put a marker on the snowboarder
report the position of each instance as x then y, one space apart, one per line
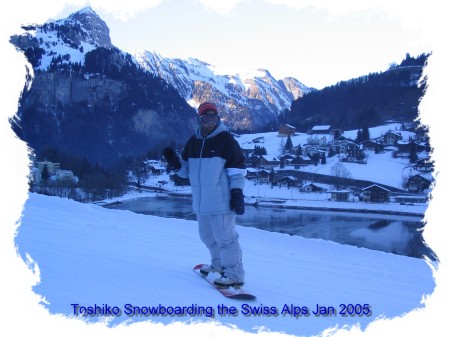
215 165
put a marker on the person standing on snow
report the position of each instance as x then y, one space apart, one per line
215 165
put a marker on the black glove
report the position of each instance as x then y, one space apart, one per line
237 201
172 159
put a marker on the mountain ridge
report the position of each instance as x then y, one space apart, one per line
248 101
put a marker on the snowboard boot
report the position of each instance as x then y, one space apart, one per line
206 269
225 282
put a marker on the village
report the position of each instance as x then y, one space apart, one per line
298 171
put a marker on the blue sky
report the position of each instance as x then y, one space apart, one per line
319 46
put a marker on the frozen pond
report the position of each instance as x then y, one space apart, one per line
390 233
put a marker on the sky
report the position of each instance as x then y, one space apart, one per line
314 45
427 22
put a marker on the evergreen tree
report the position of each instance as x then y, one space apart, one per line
45 174
365 134
288 146
259 150
412 152
358 137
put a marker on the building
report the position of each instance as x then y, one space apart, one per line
408 146
320 130
51 167
286 159
411 199
314 187
65 176
318 141
375 193
299 161
53 170
391 138
288 181
353 150
372 145
286 130
418 183
155 167
340 195
260 176
268 162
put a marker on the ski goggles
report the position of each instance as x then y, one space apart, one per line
209 118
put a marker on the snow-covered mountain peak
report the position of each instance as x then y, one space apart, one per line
68 38
250 99
95 29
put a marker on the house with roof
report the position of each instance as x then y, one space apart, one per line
312 187
266 162
410 199
300 161
321 141
320 130
53 170
260 176
391 138
407 146
372 145
288 181
419 183
66 177
287 158
155 167
354 151
286 130
376 193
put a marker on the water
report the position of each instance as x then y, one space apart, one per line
389 233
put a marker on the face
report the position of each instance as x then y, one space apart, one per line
209 121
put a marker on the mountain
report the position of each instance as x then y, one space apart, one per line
89 100
248 102
71 38
367 101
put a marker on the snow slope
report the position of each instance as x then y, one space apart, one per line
88 255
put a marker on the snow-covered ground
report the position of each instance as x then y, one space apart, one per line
89 256
86 255
290 198
380 168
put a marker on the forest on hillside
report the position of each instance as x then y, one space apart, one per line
365 101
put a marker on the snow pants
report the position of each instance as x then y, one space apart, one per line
219 234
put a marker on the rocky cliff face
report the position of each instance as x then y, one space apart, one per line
248 102
90 100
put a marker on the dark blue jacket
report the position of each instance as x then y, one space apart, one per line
214 165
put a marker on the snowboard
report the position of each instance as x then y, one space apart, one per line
231 292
